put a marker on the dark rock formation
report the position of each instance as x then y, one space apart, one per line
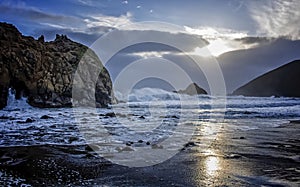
283 81
192 89
43 71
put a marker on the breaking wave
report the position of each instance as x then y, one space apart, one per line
16 104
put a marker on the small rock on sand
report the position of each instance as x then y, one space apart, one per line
295 121
46 117
190 144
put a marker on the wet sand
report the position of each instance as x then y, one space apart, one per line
265 157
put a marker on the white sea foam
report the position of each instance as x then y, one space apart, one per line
243 113
147 94
16 104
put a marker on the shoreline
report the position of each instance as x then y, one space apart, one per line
249 158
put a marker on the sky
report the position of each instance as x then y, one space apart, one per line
232 30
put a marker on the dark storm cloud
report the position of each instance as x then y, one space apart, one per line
34 14
255 40
36 22
140 50
189 41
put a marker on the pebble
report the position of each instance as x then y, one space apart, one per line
46 117
128 143
110 114
190 144
28 120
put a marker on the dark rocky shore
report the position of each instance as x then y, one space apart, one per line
268 157
43 71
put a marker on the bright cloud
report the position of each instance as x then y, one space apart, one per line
211 33
108 21
215 48
277 17
85 2
150 54
220 40
92 24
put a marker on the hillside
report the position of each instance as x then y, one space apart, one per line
283 81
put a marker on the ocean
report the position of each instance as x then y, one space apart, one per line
147 117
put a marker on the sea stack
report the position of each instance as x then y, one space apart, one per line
192 89
43 71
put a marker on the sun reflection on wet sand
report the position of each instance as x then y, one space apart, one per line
211 164
210 169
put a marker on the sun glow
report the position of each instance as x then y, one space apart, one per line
220 40
215 48
218 47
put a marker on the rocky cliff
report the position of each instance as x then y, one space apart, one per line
283 81
192 89
43 71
